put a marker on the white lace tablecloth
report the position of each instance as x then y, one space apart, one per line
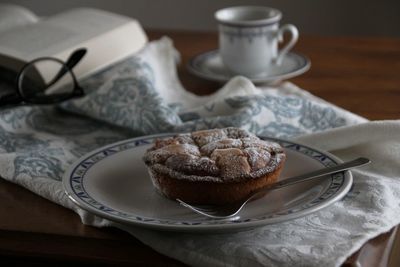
142 95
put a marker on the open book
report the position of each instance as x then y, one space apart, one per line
107 37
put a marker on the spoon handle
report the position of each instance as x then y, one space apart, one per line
324 171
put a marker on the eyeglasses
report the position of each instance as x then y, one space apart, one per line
46 80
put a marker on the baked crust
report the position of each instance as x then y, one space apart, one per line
215 166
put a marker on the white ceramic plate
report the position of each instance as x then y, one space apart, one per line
112 182
209 66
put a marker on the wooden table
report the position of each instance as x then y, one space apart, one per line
358 74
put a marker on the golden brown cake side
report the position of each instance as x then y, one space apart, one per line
213 166
197 192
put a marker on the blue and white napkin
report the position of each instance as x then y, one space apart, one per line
142 95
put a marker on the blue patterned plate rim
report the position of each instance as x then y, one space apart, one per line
198 65
339 186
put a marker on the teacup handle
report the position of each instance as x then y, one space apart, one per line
294 37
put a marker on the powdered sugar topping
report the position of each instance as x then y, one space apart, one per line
229 154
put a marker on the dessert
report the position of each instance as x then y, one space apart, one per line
217 166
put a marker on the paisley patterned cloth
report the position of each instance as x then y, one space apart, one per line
142 95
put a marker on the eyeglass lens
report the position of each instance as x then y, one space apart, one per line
46 78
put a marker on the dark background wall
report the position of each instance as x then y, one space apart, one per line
323 17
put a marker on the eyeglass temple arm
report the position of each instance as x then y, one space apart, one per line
75 57
71 62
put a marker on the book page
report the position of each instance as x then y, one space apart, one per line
34 40
13 16
109 47
50 36
107 37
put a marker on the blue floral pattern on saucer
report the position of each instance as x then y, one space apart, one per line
209 66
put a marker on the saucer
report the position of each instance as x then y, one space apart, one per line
209 66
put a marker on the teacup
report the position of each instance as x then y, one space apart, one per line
249 37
